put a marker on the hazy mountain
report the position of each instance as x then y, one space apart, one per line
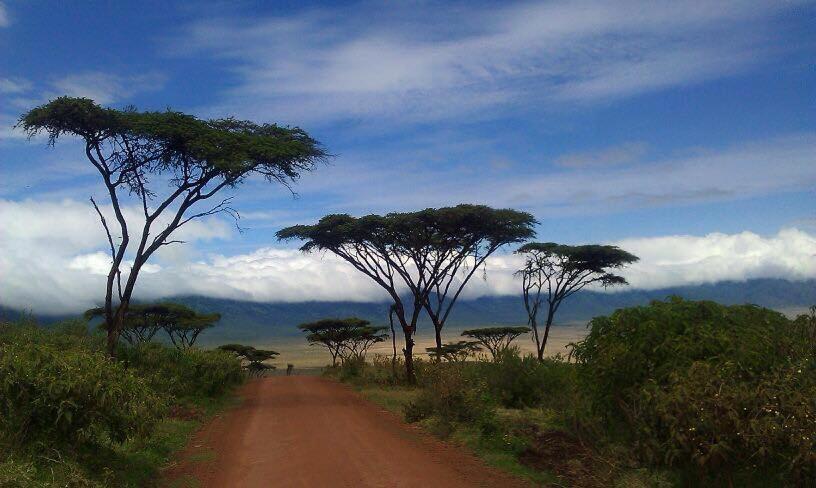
251 321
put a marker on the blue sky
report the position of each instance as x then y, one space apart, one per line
611 123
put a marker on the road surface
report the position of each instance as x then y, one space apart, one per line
306 431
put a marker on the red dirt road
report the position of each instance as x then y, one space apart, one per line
304 431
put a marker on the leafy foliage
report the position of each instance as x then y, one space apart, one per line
701 384
255 358
448 395
495 339
556 271
196 158
422 250
184 373
69 398
455 351
347 338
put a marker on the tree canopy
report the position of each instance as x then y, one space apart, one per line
552 272
455 351
343 338
422 251
495 339
170 162
255 358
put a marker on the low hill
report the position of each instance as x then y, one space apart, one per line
257 321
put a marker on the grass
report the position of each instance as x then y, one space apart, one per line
490 449
135 463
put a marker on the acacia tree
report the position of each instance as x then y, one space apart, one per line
421 251
495 339
255 358
454 352
183 324
338 335
553 272
456 243
361 339
171 163
141 323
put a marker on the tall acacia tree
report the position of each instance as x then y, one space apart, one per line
552 272
172 164
459 241
422 251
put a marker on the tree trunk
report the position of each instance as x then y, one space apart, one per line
546 334
115 328
438 331
409 357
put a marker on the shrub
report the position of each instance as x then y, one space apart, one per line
185 373
707 386
448 395
70 398
517 381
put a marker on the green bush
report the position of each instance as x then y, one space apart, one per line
448 395
70 398
517 381
712 388
183 373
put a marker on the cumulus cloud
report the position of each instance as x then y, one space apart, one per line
53 260
441 62
4 18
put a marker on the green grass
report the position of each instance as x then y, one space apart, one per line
136 463
392 398
491 449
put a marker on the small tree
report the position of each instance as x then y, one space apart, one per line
422 251
461 240
553 272
170 163
335 335
183 325
495 339
255 358
362 338
141 323
454 352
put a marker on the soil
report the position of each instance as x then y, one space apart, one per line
303 431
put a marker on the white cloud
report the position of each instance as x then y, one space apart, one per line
14 86
105 88
53 260
440 62
762 167
620 154
4 18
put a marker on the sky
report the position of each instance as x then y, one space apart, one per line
683 131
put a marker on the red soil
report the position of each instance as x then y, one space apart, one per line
304 431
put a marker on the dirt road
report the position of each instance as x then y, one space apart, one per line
303 431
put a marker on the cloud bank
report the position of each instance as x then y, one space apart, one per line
53 260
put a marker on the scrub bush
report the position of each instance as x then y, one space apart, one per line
183 373
711 388
70 398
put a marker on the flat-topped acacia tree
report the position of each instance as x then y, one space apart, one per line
422 251
183 324
171 163
495 339
343 338
460 239
552 272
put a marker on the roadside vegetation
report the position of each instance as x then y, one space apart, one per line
72 417
676 393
